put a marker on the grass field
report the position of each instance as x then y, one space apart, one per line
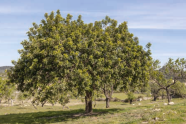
124 96
118 113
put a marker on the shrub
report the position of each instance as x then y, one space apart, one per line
131 97
115 99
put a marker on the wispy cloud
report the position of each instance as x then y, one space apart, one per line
170 55
143 15
87 13
11 33
153 15
8 9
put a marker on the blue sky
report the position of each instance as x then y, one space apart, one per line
161 22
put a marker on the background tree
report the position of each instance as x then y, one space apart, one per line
130 97
2 89
125 62
23 96
156 79
7 91
178 90
174 71
162 93
155 90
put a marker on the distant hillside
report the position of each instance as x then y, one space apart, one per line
3 68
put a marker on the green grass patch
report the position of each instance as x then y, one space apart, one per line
118 113
124 95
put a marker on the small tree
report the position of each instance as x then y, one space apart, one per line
6 91
155 90
22 96
162 93
179 90
130 97
2 89
63 100
172 73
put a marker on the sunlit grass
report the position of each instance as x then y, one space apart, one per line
123 96
118 113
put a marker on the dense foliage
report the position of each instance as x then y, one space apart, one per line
63 55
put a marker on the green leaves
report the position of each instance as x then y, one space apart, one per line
6 90
72 54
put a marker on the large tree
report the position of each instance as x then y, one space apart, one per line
70 55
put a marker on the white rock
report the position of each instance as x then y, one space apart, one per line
156 118
157 109
171 103
145 98
165 103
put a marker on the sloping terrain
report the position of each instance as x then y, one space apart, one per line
3 68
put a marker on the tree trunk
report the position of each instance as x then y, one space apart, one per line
108 95
155 98
34 105
162 97
107 102
12 102
130 101
65 107
95 104
43 103
88 102
168 96
8 102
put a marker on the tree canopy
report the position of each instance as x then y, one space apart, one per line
72 55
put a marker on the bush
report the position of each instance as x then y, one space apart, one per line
146 117
131 97
115 99
125 100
